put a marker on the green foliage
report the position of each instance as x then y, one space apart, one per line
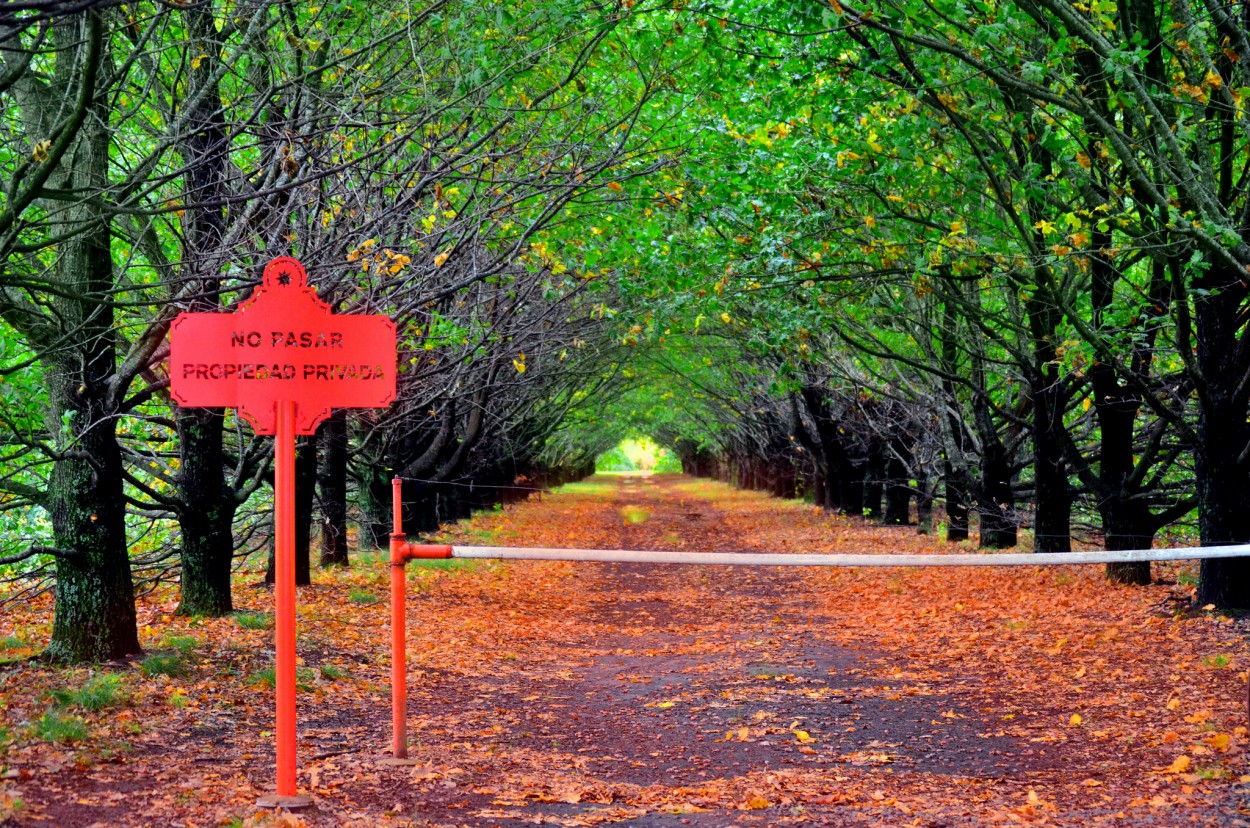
61 727
332 671
254 620
304 678
362 596
98 692
174 665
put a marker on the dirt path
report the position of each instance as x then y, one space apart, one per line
652 695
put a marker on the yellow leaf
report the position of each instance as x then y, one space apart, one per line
724 317
1173 703
870 221
40 152
757 802
665 704
1080 671
519 366
197 60
440 259
614 186
804 737
1083 160
1179 765
1034 799
1213 79
1075 720
1219 741
1085 407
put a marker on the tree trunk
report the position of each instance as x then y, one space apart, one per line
332 481
874 480
1052 525
94 617
1223 484
957 504
205 515
305 489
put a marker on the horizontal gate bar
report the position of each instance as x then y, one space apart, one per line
799 559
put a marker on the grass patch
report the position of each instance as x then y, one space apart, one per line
254 620
12 642
588 488
362 596
97 693
267 678
1216 662
184 644
445 564
634 514
60 727
173 665
333 672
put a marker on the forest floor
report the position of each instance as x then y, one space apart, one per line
650 695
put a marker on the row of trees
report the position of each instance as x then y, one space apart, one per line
999 245
988 255
156 156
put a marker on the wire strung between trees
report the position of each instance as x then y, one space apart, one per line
822 559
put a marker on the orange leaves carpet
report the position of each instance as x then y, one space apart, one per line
648 695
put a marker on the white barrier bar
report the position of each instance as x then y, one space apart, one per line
820 559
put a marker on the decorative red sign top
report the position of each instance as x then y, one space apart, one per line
282 344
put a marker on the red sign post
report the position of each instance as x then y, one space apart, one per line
284 360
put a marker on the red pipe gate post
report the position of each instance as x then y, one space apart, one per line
401 553
281 346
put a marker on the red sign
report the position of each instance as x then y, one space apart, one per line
282 344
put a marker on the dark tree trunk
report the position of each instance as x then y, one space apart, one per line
924 506
208 505
1126 528
1223 483
332 481
94 617
305 489
305 493
205 515
957 503
1052 525
995 506
898 490
95 604
375 492
874 480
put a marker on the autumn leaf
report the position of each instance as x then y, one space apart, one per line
40 152
1179 765
1075 719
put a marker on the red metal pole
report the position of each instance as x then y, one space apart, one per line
399 656
284 590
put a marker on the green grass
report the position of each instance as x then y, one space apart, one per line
254 620
173 665
362 596
588 488
267 678
1215 662
467 564
12 642
60 727
332 671
184 644
1185 579
97 693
